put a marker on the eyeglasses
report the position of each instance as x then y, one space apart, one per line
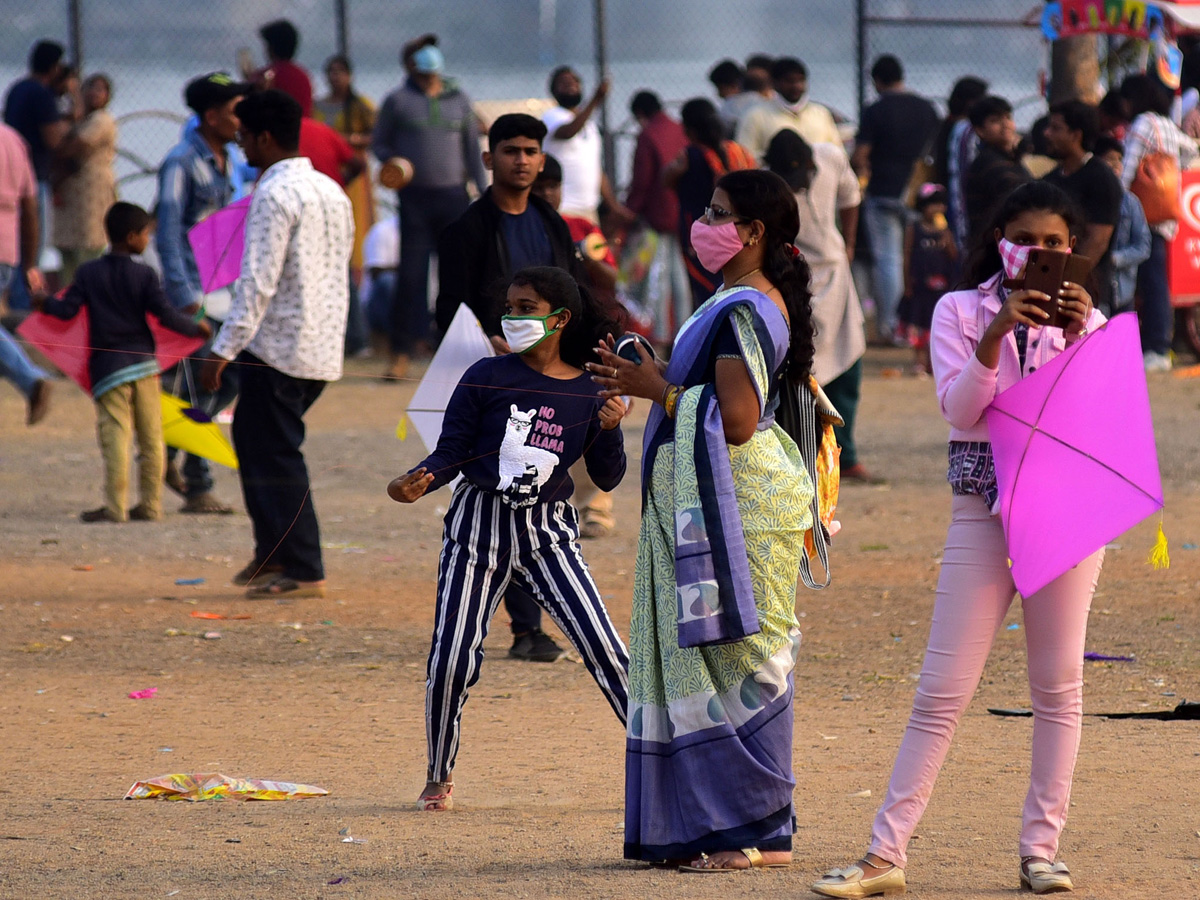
712 213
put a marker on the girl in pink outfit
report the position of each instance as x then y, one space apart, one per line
983 341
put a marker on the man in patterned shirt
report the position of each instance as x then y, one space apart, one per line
285 329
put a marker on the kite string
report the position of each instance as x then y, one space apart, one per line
449 467
345 375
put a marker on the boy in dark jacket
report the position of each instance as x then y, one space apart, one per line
997 168
506 229
119 292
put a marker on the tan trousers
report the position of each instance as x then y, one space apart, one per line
119 413
593 504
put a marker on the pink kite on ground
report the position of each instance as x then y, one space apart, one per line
218 243
215 786
65 343
1076 462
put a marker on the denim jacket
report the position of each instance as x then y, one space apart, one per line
1130 247
190 187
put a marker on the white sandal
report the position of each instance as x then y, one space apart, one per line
1043 877
851 883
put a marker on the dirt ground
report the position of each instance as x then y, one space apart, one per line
330 692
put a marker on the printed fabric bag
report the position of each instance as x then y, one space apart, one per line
808 417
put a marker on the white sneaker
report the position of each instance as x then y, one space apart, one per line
1156 362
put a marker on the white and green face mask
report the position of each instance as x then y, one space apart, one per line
523 333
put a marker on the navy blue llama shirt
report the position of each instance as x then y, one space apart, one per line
516 432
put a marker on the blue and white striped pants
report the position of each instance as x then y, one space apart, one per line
485 545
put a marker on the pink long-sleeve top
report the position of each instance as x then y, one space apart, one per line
965 386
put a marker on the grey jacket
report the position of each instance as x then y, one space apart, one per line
438 135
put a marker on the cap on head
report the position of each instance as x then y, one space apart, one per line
213 89
428 60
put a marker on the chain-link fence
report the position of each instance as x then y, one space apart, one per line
997 40
503 51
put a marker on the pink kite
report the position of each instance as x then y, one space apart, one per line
218 243
65 343
1076 462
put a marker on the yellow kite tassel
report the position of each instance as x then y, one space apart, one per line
402 429
1159 557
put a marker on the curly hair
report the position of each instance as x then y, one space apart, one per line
762 195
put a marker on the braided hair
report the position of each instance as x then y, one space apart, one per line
762 195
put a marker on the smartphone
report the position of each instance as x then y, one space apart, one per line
1046 271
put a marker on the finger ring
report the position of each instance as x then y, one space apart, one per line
614 372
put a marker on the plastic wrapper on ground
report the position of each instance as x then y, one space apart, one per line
215 786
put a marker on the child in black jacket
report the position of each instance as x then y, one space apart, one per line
119 292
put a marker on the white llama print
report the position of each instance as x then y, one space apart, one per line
523 469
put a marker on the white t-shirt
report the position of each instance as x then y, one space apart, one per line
381 247
580 159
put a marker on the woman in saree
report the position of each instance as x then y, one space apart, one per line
726 498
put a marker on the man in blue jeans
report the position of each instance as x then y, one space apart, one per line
18 241
19 369
197 178
895 130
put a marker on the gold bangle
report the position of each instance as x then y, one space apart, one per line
672 402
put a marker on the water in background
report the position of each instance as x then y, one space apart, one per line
505 50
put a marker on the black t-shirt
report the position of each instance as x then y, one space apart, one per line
1095 189
29 106
898 126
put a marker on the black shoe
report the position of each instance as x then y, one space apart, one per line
98 515
39 402
535 646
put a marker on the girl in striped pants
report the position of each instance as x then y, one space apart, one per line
513 428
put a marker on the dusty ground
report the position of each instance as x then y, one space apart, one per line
330 691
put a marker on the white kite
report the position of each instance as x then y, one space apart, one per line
464 345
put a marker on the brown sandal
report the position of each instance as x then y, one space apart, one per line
753 854
206 504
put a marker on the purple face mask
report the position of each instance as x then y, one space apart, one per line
715 245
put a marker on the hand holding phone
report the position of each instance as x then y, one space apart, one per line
1047 271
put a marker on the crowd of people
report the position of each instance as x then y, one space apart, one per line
749 208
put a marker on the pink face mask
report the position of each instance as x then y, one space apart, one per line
1014 256
715 245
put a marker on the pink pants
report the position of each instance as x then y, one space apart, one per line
973 595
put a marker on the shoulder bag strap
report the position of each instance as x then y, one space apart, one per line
806 412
